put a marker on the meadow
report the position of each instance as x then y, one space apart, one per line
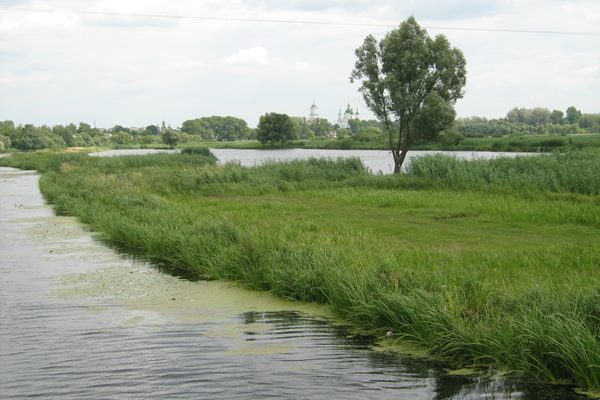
481 263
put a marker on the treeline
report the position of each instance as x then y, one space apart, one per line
358 133
29 137
206 129
530 121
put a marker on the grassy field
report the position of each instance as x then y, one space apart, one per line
479 262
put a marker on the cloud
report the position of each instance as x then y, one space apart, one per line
185 63
253 56
135 70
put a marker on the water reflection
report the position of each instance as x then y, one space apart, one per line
78 321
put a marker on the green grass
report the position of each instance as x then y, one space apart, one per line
480 262
532 143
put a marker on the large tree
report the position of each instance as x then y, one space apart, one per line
216 127
275 128
572 115
410 82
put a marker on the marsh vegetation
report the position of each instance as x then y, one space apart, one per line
478 262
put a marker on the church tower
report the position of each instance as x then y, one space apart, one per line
314 113
343 119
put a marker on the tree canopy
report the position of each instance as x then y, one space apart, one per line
217 128
410 82
171 137
274 128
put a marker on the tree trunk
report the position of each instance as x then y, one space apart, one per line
399 156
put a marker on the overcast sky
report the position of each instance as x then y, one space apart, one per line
64 66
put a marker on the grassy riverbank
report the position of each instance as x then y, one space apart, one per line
524 143
480 262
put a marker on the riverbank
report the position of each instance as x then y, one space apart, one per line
520 143
523 143
479 262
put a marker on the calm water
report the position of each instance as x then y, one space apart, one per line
379 161
79 321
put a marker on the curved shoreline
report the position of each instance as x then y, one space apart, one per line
224 239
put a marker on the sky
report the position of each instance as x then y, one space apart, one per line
61 64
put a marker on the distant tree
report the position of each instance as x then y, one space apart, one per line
573 115
170 137
410 82
199 127
539 116
274 128
121 138
556 117
217 127
450 138
590 122
84 140
27 138
369 134
67 133
84 128
301 128
119 128
7 128
152 130
359 126
6 143
321 127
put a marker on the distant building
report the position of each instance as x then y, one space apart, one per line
314 113
344 118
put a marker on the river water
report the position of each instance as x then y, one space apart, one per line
79 320
378 161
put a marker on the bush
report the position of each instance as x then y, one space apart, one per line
203 151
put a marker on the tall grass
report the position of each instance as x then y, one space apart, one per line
451 256
575 172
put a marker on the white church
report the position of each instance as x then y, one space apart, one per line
342 119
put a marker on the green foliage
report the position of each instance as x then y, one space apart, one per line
67 133
202 151
410 82
479 262
523 121
27 138
450 139
556 117
369 134
217 128
275 128
171 137
561 173
121 138
321 127
152 130
535 116
572 115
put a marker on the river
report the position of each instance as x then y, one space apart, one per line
378 161
79 320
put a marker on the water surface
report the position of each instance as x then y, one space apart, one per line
378 161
